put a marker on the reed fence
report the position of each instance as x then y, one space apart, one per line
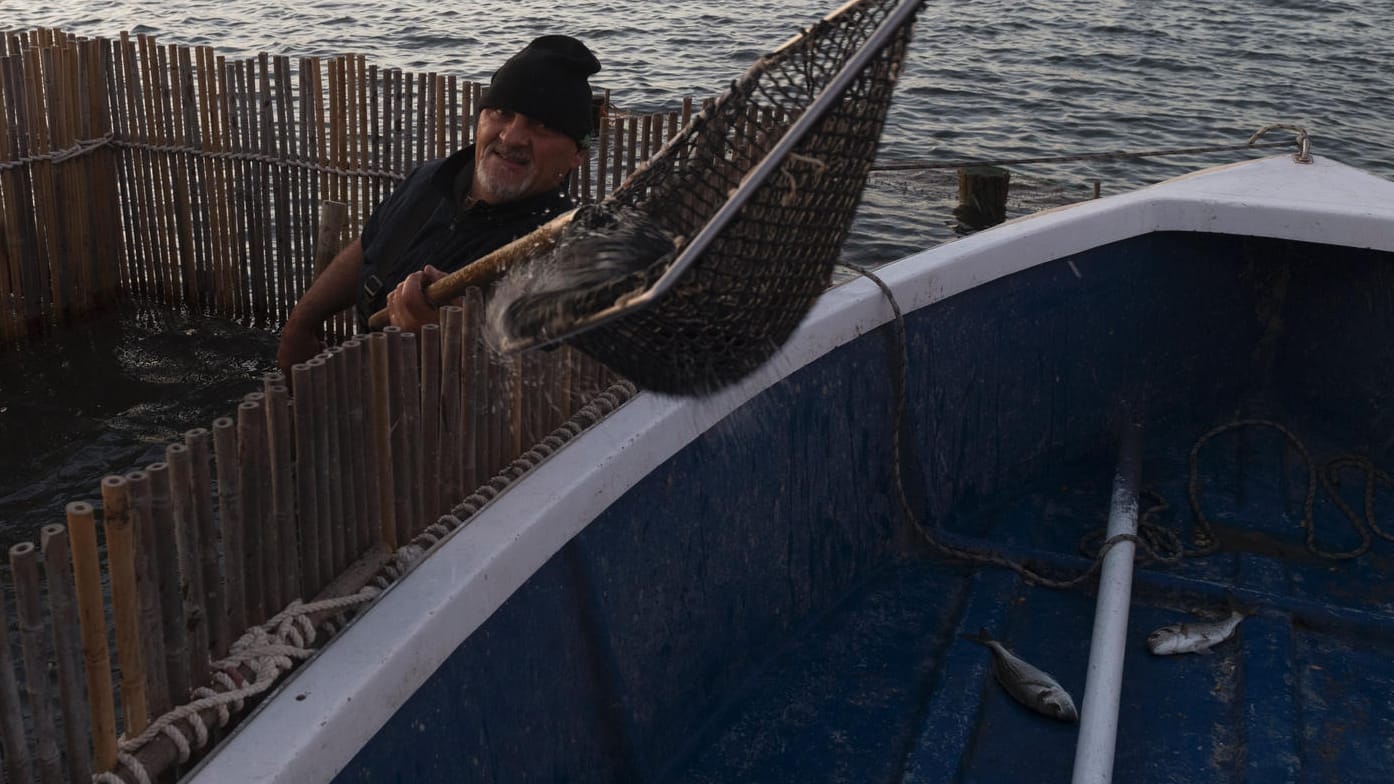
293 498
131 170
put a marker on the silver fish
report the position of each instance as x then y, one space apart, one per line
1027 684
1193 637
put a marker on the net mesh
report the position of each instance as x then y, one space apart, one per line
747 292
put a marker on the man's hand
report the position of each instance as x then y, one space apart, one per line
406 304
298 344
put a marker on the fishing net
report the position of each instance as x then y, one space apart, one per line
791 143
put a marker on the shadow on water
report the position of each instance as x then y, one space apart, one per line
107 396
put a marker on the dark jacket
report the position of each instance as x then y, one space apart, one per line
422 222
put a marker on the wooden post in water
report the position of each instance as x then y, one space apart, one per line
24 566
87 578
13 744
67 646
982 197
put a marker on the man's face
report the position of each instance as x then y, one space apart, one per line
516 157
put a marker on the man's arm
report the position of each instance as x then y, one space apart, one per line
336 288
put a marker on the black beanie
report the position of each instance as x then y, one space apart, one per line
547 82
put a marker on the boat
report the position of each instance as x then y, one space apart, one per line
780 582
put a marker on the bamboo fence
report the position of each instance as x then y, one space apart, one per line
167 175
284 501
163 174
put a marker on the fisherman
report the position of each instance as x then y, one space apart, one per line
534 127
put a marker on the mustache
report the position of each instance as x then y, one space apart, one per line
516 154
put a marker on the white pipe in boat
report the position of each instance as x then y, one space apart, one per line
1098 718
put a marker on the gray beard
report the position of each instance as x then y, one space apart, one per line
503 192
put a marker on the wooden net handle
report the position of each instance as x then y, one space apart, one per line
490 267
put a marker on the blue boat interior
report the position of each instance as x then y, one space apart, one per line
760 608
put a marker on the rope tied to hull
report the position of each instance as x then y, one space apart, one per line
267 651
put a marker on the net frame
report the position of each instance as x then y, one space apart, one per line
756 195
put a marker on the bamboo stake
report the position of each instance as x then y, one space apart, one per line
251 454
87 578
125 600
306 493
253 194
341 506
45 210
422 104
345 385
349 152
187 534
156 73
429 402
11 285
409 157
153 656
263 129
109 244
280 450
197 173
452 408
67 645
329 508
70 286
140 170
181 209
213 599
24 566
292 212
452 90
374 140
176 635
231 519
12 740
382 430
617 149
363 481
210 100
474 372
410 490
